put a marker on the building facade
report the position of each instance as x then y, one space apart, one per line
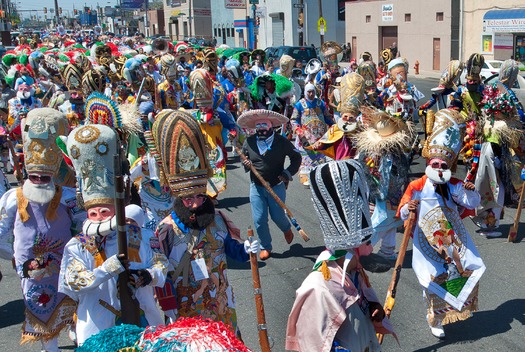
435 32
424 31
188 18
279 22
498 30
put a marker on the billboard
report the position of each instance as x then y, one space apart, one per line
133 4
235 4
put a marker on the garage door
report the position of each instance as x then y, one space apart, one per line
278 29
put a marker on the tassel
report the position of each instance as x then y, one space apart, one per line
100 258
22 205
51 212
326 272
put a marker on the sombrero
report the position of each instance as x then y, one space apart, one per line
249 119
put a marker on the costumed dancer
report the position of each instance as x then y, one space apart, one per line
338 142
266 152
401 97
508 74
383 149
286 66
271 92
156 200
445 259
211 122
37 222
494 178
169 91
446 94
325 78
20 105
335 308
91 263
310 121
472 91
194 236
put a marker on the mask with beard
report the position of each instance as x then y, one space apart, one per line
99 228
264 134
438 176
195 219
40 193
23 95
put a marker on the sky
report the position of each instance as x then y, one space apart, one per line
39 5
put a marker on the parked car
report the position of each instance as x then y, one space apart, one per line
490 67
518 88
299 53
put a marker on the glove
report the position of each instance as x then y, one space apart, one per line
139 278
251 247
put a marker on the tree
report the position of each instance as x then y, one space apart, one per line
156 5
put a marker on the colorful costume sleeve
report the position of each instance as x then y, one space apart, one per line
76 275
8 209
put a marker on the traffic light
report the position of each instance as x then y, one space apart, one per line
45 9
75 12
258 22
301 18
59 10
89 12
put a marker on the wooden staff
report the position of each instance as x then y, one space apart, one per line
259 305
130 312
390 300
275 196
513 231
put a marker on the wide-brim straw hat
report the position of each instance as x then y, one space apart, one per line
250 118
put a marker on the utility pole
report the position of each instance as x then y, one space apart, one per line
320 2
57 15
190 17
146 20
254 8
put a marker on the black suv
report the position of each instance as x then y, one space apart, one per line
299 53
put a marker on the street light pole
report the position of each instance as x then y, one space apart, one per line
320 2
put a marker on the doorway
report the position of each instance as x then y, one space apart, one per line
436 53
388 37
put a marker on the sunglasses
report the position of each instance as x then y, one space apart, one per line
262 126
438 165
191 200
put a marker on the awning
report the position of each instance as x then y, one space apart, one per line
504 21
504 14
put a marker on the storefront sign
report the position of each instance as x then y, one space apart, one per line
235 4
387 12
508 25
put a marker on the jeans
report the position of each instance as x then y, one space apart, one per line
261 201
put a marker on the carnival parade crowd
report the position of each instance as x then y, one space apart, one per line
119 149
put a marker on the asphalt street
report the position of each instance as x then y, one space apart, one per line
498 326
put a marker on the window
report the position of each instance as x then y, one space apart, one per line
439 16
368 18
215 32
233 31
227 32
408 17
